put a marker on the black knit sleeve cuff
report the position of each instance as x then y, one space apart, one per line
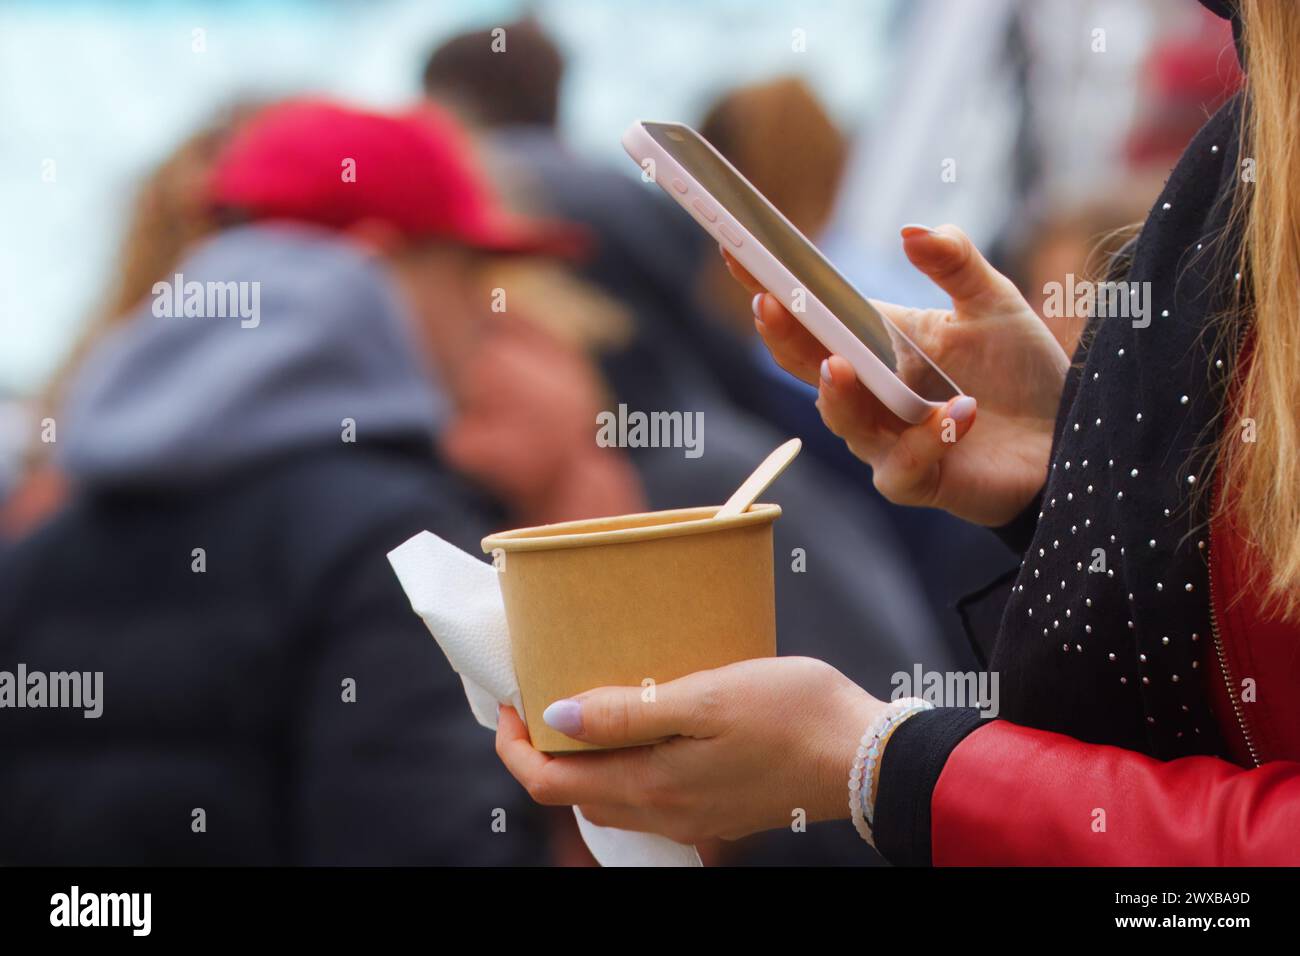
1017 533
909 770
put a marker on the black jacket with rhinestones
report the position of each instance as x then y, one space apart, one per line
1103 631
1111 603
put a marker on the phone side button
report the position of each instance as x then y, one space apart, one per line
731 235
680 186
708 212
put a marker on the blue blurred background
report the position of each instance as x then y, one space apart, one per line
105 89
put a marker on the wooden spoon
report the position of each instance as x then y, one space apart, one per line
762 476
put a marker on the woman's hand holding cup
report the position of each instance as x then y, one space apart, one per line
718 753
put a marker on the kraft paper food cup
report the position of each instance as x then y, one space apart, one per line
631 600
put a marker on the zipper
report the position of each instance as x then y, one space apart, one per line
1229 683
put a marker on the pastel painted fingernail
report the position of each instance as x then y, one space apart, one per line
754 303
564 716
961 409
916 229
826 372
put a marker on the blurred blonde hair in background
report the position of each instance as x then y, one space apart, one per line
168 215
782 140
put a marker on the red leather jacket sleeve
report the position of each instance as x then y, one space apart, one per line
1012 796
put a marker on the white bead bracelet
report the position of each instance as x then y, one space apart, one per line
862 797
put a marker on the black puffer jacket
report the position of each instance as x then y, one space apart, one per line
223 690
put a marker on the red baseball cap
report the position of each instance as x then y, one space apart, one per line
320 162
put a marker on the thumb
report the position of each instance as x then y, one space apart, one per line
953 263
626 716
907 474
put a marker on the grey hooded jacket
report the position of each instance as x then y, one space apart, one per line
268 697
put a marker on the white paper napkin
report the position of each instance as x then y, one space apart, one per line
459 600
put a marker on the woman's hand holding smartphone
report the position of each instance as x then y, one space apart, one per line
991 341
903 384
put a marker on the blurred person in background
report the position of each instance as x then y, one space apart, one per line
648 256
235 482
169 212
644 254
780 137
1187 74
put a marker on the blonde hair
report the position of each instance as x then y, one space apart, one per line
1264 474
783 141
169 215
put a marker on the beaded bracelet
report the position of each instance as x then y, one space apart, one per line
862 799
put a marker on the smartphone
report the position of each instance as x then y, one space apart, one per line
788 266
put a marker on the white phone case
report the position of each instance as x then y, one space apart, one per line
771 274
